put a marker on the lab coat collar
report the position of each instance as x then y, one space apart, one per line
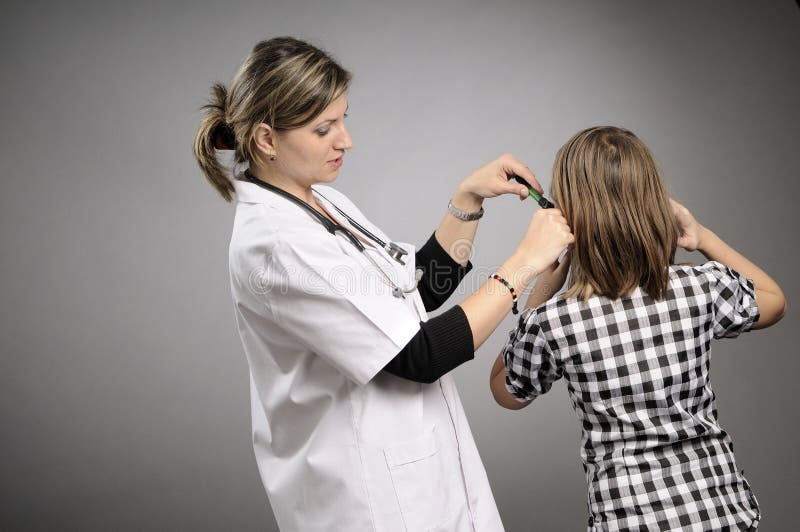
248 192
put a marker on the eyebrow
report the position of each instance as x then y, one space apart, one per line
333 119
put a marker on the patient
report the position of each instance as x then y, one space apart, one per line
632 335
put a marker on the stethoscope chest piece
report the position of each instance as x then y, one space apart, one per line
396 252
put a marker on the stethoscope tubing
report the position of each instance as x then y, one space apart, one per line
392 249
328 224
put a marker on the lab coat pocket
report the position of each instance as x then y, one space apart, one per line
427 487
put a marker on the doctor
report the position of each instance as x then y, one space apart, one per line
357 425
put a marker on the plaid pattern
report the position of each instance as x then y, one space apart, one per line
637 373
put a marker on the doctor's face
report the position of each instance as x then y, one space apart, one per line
315 152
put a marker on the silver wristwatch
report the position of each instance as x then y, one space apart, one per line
464 216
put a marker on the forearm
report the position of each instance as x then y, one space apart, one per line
498 366
487 307
714 248
440 273
769 296
497 383
442 344
456 236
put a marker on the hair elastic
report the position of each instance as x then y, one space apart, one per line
223 137
510 289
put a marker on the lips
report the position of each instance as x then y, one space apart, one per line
336 163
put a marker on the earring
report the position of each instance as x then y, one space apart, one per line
272 157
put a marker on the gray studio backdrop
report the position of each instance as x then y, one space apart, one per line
124 394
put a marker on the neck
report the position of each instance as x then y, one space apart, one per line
272 177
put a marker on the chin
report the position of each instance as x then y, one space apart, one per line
331 177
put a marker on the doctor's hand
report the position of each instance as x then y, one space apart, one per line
547 236
549 281
492 179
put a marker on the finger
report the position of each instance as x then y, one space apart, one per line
678 210
560 220
510 185
514 167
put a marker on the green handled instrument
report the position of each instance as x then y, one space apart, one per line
543 202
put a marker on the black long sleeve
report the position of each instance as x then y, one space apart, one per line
444 342
440 273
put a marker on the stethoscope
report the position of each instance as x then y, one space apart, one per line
393 250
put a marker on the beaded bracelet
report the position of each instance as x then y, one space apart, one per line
510 289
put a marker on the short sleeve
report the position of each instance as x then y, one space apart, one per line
331 304
733 299
531 368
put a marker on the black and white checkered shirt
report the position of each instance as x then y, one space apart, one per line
637 372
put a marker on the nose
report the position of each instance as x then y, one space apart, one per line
344 142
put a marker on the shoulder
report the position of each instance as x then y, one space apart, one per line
549 315
709 274
253 227
263 236
557 307
279 221
711 267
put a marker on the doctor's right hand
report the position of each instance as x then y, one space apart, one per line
547 236
493 179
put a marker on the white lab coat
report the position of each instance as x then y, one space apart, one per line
340 445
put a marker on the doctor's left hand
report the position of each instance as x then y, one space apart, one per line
492 179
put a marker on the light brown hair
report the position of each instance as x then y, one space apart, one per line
284 83
608 187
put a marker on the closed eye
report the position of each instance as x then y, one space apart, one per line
322 131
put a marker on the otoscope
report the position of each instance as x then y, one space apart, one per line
543 202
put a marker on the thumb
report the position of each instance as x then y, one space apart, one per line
519 190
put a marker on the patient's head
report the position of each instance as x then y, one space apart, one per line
608 187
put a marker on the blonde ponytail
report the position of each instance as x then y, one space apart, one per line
213 134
